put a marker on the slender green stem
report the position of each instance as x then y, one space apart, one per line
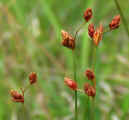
27 87
94 58
23 111
88 111
74 67
76 112
80 27
94 82
93 109
123 17
94 63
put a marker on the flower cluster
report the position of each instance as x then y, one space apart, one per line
96 34
88 14
91 30
115 22
88 89
70 83
33 78
68 40
19 97
90 74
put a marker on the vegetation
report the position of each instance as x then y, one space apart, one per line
31 42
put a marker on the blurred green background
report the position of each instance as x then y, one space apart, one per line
30 40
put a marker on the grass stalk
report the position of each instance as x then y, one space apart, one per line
75 78
88 110
23 111
93 109
94 58
94 82
122 17
93 64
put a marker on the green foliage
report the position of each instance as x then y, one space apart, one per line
31 41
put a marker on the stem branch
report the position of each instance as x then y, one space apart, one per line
80 27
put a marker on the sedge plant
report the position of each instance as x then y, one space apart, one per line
69 41
18 96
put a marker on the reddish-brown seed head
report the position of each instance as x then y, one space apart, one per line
33 77
67 40
16 97
87 14
97 37
70 83
89 90
115 22
91 30
90 74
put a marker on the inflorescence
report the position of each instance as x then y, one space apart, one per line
19 97
96 34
